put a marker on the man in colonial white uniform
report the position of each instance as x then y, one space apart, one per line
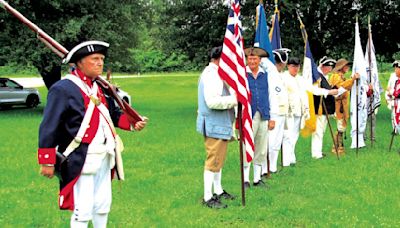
279 106
298 108
78 123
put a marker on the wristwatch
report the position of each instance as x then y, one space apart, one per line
48 165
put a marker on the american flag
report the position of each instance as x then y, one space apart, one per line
232 69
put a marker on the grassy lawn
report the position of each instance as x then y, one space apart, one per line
164 173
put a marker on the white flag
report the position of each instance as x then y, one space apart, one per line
359 66
372 69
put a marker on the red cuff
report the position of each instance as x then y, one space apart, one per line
47 155
124 123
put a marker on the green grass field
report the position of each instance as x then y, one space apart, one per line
164 174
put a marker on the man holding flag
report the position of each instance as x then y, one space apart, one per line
216 102
338 80
323 105
232 70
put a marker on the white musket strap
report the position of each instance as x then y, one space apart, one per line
106 114
88 114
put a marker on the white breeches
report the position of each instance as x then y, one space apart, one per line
275 141
317 137
290 137
92 193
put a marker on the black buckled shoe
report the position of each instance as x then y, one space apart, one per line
246 185
214 203
265 176
261 184
225 195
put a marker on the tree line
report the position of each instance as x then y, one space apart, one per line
175 35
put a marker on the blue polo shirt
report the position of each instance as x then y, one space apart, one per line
259 93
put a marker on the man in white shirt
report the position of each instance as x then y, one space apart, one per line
279 106
298 108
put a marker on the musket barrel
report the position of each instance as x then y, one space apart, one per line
62 51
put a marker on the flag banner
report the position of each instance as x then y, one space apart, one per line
276 41
261 38
375 100
359 66
232 69
311 76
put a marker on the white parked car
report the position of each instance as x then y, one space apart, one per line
12 93
124 95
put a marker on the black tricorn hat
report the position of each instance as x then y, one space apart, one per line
256 51
84 49
396 63
215 52
293 61
326 61
281 55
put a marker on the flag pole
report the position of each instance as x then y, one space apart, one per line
330 127
357 116
391 141
370 77
357 89
241 152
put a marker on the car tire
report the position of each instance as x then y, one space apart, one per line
32 101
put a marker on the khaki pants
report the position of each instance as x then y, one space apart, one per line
260 132
216 153
341 127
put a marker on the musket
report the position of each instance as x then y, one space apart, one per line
330 128
57 48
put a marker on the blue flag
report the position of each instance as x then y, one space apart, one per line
276 33
310 72
261 39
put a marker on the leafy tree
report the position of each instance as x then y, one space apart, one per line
71 22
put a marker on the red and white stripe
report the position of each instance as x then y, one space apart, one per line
232 69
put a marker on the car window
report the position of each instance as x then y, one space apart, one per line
12 84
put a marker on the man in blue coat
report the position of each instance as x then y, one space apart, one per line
79 123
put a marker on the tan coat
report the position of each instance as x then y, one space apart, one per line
341 102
